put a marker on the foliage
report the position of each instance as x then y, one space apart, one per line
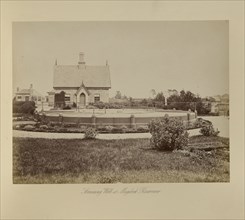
109 128
159 97
29 127
208 130
124 128
24 107
90 133
74 105
143 129
168 134
118 95
67 107
43 126
186 100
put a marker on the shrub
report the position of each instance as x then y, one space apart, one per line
74 105
27 107
109 128
168 134
208 130
143 129
90 133
43 126
29 127
124 128
67 107
83 128
16 127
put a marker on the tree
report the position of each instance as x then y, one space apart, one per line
153 93
118 95
159 97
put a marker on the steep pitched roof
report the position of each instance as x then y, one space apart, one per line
74 75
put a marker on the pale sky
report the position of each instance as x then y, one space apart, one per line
143 55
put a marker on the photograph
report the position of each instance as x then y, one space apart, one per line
106 102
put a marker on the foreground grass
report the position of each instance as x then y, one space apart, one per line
111 161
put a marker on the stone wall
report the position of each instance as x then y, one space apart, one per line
131 121
104 95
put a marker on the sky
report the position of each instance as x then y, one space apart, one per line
142 55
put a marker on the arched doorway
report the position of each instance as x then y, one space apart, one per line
82 99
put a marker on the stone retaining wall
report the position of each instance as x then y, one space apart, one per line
131 121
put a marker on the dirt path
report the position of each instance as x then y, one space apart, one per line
29 134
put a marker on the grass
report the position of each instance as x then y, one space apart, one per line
111 161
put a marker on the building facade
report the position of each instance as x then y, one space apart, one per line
29 95
79 84
220 105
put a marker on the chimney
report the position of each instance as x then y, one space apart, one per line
18 89
81 58
31 86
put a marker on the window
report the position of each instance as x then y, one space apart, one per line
67 97
96 97
27 98
18 97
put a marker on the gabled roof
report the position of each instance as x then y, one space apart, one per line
74 75
82 87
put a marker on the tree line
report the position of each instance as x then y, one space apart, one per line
183 100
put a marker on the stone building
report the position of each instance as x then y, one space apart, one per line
79 84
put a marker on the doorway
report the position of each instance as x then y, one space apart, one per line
82 99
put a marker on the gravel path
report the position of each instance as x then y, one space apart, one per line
29 134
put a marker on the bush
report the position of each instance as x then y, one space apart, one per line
29 127
83 128
124 128
74 105
168 134
143 129
27 107
67 107
109 128
208 130
43 126
90 133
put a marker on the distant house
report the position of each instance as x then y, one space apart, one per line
80 84
220 104
28 95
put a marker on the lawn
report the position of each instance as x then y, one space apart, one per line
112 161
